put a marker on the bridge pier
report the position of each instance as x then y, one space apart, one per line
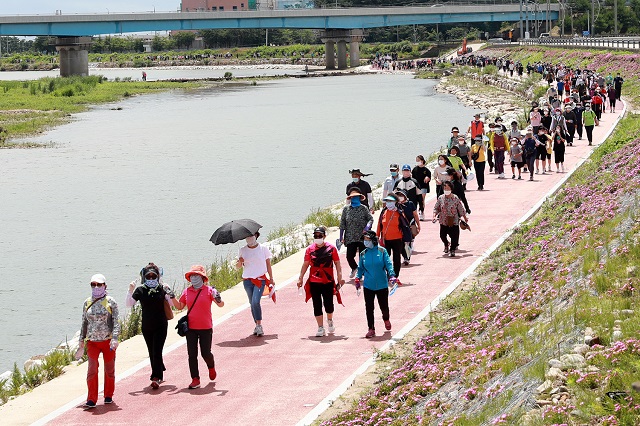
74 55
331 38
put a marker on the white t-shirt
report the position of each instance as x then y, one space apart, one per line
255 264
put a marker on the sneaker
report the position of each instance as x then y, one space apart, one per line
513 176
89 404
531 178
212 373
387 325
195 383
353 273
452 253
406 262
155 383
421 216
537 171
255 330
371 333
259 331
544 172
446 249
501 175
108 400
320 332
332 327
519 177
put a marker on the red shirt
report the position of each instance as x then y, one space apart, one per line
200 315
321 260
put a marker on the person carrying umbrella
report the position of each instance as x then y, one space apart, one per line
321 285
255 261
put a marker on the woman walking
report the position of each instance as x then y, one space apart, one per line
376 269
393 230
479 157
448 210
321 285
440 172
152 295
422 175
198 298
101 329
255 261
558 151
355 218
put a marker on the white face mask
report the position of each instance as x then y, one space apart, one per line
251 241
196 281
447 192
318 241
441 162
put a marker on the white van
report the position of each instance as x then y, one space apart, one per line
545 35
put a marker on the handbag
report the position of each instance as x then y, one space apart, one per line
183 323
475 156
168 312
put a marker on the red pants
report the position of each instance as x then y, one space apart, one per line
109 356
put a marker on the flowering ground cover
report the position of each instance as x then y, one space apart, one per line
550 332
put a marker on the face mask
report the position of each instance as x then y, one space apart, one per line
368 243
318 241
391 205
151 283
251 241
588 109
394 174
356 180
447 192
355 201
98 292
441 162
196 281
498 131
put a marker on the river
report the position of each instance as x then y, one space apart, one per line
152 181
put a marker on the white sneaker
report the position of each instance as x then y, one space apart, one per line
501 175
421 216
259 331
353 273
332 328
320 332
255 330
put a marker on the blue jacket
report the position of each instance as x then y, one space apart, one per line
376 267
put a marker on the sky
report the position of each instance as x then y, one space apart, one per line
31 7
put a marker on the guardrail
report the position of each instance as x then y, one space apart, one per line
603 42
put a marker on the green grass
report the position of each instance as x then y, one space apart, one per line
30 107
323 217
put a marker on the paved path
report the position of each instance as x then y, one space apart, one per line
279 378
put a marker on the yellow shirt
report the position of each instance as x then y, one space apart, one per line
481 150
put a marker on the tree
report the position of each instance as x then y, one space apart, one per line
183 39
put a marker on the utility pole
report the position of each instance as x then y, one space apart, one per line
593 18
615 17
266 37
521 34
548 20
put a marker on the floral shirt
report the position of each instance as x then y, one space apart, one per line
449 207
353 222
100 321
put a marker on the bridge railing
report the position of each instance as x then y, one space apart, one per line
602 42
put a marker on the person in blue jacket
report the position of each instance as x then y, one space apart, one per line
376 268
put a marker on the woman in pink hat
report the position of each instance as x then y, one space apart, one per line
198 298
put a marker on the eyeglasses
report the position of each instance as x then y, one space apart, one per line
97 284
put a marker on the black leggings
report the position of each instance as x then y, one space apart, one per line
155 343
395 249
352 250
205 337
383 302
589 130
531 161
479 167
451 231
321 293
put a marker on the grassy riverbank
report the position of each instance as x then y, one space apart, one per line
547 331
31 107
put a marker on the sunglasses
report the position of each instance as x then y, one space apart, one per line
318 236
97 284
150 277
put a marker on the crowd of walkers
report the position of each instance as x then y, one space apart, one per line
375 254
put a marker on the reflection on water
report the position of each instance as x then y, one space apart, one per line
152 182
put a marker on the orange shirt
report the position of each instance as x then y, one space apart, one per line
390 229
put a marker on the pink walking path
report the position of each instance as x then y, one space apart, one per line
279 378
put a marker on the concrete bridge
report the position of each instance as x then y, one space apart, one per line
339 26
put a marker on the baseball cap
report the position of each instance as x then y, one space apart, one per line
393 166
98 278
406 167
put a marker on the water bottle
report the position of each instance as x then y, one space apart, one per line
299 291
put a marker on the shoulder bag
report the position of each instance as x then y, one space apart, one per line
183 323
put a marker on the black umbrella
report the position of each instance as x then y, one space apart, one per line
235 230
